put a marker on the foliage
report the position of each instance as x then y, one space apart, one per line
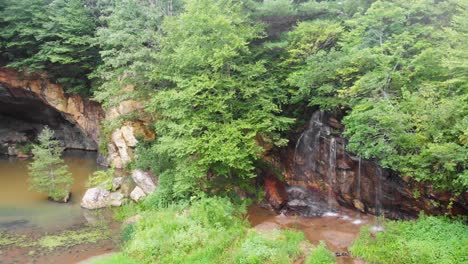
25 148
320 255
48 172
427 240
276 247
209 230
387 68
52 35
101 178
216 103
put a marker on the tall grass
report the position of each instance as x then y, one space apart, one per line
208 231
428 240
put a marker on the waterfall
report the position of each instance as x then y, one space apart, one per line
308 143
332 172
297 147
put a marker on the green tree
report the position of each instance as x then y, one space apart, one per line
48 172
398 70
128 40
50 35
214 104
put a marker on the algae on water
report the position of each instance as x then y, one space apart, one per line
88 234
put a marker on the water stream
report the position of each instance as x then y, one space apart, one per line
338 231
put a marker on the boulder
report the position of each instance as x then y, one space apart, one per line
137 194
117 183
116 199
95 198
144 180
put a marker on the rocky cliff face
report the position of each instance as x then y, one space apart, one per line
28 102
84 114
317 169
123 140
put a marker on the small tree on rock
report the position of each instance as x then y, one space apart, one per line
48 171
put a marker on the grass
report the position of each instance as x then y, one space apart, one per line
118 258
320 255
209 231
427 240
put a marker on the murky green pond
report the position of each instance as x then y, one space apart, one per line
33 229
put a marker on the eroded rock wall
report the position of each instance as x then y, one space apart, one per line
85 114
319 163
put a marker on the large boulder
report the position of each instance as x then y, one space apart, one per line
144 180
95 198
137 194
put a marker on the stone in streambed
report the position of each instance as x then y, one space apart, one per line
116 199
95 198
137 194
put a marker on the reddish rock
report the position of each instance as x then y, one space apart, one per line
275 192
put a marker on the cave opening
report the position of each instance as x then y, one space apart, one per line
22 118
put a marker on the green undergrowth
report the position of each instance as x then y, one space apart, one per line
68 238
424 241
208 230
320 255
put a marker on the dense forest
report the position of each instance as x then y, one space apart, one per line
223 80
218 76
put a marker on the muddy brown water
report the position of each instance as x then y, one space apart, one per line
29 213
338 230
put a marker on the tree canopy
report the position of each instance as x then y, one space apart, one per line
224 80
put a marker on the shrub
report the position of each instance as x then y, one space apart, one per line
101 178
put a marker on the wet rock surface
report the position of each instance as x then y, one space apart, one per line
319 164
275 192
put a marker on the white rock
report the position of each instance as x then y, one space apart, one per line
95 198
116 199
144 180
137 194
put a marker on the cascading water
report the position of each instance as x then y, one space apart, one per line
305 152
